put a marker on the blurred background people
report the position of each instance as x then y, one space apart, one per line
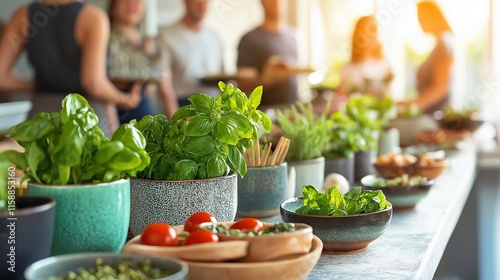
194 52
68 55
268 52
434 74
134 58
368 71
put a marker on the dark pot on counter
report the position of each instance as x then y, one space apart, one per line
25 235
342 166
363 164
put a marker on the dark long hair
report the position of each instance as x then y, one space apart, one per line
111 6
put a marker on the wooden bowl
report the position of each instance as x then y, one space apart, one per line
290 267
271 247
431 172
390 171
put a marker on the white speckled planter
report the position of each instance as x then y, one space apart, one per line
308 172
173 202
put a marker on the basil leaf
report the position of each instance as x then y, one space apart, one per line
131 137
199 126
38 127
69 150
236 161
226 133
216 167
255 97
199 146
202 102
184 112
236 119
73 104
266 121
124 160
34 156
185 170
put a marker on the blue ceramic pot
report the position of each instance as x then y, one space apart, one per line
89 218
261 191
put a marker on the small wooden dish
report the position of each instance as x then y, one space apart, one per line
206 252
272 247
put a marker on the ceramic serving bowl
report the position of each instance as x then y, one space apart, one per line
61 265
401 198
290 267
458 123
340 234
271 247
432 170
390 171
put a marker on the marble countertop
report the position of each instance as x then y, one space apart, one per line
414 242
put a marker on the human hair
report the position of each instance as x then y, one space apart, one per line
365 43
432 18
111 7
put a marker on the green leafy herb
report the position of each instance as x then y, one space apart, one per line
276 228
205 139
345 138
68 147
308 133
333 203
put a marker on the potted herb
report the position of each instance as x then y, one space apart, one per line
344 141
68 158
370 115
195 158
309 136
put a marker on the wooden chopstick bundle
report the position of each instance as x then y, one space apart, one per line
254 157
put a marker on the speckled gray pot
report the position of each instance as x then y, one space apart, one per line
89 217
340 234
173 202
262 190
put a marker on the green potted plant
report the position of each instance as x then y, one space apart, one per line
68 158
370 115
26 225
309 136
344 142
195 158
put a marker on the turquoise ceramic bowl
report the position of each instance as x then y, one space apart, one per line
61 265
89 218
340 234
261 191
401 198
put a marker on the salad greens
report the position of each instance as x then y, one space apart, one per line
205 139
333 203
402 181
68 147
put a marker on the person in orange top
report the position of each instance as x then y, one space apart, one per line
434 75
368 71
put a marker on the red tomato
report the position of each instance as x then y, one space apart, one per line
159 234
201 236
194 221
248 224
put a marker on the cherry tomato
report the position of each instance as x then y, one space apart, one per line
248 224
194 221
201 236
159 234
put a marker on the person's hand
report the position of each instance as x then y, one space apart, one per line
132 98
149 46
275 71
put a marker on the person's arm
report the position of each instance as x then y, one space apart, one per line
168 97
12 44
93 35
438 88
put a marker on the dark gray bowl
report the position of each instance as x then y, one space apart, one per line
62 264
401 198
340 234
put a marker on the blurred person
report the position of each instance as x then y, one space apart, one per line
134 58
368 71
195 51
268 52
434 75
66 42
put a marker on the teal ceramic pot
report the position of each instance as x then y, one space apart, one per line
261 191
61 265
340 234
401 198
89 218
26 235
308 172
172 202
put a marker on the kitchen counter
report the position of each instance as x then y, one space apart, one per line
414 242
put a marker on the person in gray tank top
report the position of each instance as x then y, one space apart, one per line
268 51
66 42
